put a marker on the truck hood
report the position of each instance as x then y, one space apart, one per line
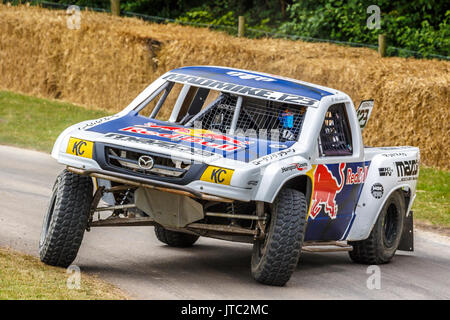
199 141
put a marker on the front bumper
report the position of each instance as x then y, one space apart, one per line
147 183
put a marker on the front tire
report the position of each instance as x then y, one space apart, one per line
275 258
175 239
383 241
66 219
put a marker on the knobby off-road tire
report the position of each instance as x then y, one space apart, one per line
275 258
386 234
66 219
175 239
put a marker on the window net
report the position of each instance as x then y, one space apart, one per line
259 118
335 138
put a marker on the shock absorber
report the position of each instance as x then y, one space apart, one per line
121 199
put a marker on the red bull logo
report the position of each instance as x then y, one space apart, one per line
202 133
326 187
358 177
190 135
200 136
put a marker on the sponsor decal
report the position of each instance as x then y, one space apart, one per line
377 190
326 187
278 146
159 143
288 168
392 148
338 99
241 89
80 147
407 170
295 166
273 156
358 177
385 172
202 133
408 179
395 154
94 123
217 175
200 136
247 76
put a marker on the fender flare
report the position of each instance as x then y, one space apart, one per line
375 216
274 178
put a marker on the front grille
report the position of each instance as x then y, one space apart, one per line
163 166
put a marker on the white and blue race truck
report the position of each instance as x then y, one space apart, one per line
240 156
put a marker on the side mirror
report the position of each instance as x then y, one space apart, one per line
363 112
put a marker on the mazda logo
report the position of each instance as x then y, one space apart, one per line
145 162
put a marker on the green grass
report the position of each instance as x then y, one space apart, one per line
24 277
432 202
36 123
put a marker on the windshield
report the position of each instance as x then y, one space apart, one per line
226 113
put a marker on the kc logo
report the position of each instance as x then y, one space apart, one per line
77 148
216 175
80 147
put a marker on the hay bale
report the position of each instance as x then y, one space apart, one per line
109 60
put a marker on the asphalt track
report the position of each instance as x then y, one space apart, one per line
134 260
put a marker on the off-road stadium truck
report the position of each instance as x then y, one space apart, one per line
235 155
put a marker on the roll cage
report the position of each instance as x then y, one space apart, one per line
228 113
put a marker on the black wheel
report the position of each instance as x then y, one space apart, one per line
175 239
386 234
66 219
275 257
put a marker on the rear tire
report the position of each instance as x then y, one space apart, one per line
275 258
175 239
66 219
386 234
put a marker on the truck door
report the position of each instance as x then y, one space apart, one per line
338 175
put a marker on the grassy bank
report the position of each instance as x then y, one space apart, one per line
432 202
25 277
35 123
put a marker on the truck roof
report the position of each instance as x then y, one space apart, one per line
279 86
